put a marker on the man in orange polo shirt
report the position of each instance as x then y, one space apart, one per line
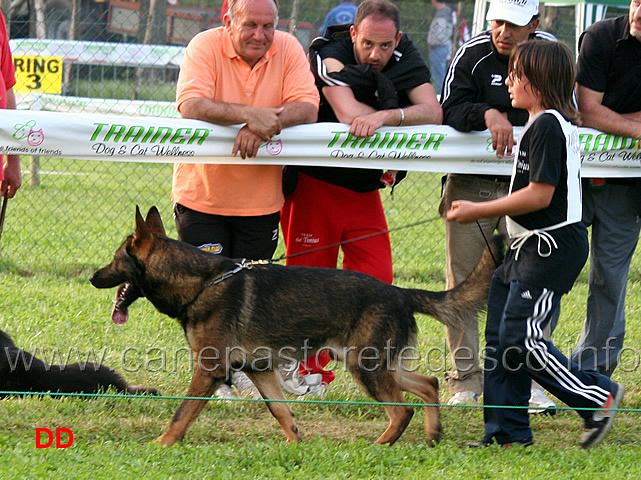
243 73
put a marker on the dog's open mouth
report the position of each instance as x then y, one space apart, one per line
127 294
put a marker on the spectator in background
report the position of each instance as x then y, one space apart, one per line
10 178
243 73
370 75
475 97
342 14
609 97
439 41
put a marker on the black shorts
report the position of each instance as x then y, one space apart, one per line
253 238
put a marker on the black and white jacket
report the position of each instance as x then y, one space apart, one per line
475 82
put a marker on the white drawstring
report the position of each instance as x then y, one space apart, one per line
543 237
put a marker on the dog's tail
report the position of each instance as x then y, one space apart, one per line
459 306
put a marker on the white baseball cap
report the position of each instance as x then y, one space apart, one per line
518 12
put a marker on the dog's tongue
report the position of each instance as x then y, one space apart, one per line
120 314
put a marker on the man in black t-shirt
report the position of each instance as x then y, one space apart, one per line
609 97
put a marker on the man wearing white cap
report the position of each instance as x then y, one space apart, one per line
475 97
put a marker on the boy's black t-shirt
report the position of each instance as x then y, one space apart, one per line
542 156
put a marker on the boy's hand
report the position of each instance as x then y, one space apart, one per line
462 211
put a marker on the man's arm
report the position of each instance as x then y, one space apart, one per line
595 115
502 132
464 110
365 120
263 122
247 142
424 109
298 113
260 123
462 107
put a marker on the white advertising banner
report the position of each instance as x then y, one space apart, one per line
432 148
101 53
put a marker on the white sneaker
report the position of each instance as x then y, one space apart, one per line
316 387
540 403
290 379
245 386
464 398
224 391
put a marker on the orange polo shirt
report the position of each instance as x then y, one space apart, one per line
211 68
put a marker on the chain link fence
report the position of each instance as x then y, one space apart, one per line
124 58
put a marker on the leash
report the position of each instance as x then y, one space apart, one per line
370 235
249 264
487 243
244 264
3 212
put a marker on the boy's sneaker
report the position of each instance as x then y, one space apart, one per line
245 386
539 402
597 427
464 398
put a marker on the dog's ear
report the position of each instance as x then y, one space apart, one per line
154 222
142 231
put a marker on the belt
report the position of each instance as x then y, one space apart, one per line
489 178
494 178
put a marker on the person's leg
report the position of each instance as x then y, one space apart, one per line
210 233
285 215
543 362
317 364
308 227
504 384
310 224
464 246
254 238
615 232
363 216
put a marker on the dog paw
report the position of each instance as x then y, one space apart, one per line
165 440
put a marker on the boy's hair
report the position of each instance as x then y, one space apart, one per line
380 8
549 67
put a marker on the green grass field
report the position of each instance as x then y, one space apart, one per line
58 233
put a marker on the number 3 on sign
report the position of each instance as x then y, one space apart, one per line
38 74
35 82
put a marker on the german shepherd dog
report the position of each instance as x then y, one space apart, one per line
20 371
255 317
